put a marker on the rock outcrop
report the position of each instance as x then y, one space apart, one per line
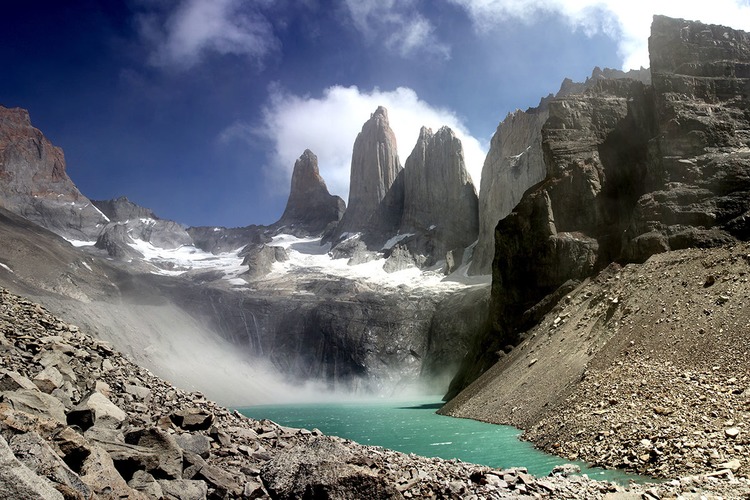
34 183
310 208
439 197
375 165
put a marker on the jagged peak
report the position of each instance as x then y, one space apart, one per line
380 112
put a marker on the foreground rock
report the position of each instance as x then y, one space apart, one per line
173 444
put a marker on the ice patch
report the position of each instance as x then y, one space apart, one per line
6 268
80 243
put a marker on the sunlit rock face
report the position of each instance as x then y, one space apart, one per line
439 196
632 170
375 165
34 183
310 207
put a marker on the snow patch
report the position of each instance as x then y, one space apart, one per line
187 258
6 268
80 243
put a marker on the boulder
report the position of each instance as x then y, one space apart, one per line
18 481
35 402
96 409
183 489
193 419
48 380
199 444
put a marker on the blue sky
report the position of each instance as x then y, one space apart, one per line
197 108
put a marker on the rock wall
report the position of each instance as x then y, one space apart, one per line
375 166
439 196
632 170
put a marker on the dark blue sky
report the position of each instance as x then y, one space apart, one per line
192 107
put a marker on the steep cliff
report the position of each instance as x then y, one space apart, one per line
632 170
310 207
34 183
439 196
375 166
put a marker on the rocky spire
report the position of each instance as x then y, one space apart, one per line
310 206
375 166
439 194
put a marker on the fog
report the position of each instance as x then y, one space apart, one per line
178 348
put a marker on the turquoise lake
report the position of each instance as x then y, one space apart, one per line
413 427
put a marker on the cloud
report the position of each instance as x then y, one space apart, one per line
398 25
328 125
625 22
196 28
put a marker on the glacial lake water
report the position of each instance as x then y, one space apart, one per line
412 426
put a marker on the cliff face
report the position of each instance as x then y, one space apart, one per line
34 183
375 166
513 164
439 196
310 208
632 170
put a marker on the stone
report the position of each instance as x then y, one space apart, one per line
12 380
733 465
732 432
145 483
36 402
321 465
34 452
142 393
161 444
196 443
183 489
18 481
193 419
98 471
96 409
48 380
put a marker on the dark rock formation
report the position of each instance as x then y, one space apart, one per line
515 161
34 183
439 196
221 239
375 166
632 170
122 209
310 208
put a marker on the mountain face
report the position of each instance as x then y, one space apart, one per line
515 161
310 208
632 170
34 183
439 195
375 166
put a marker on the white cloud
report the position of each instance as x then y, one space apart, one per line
196 28
398 25
328 126
627 22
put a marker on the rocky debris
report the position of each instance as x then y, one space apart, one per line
642 368
34 183
375 165
439 195
175 444
310 207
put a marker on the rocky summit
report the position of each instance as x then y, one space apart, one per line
375 165
310 208
34 183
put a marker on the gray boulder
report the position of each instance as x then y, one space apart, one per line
18 481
